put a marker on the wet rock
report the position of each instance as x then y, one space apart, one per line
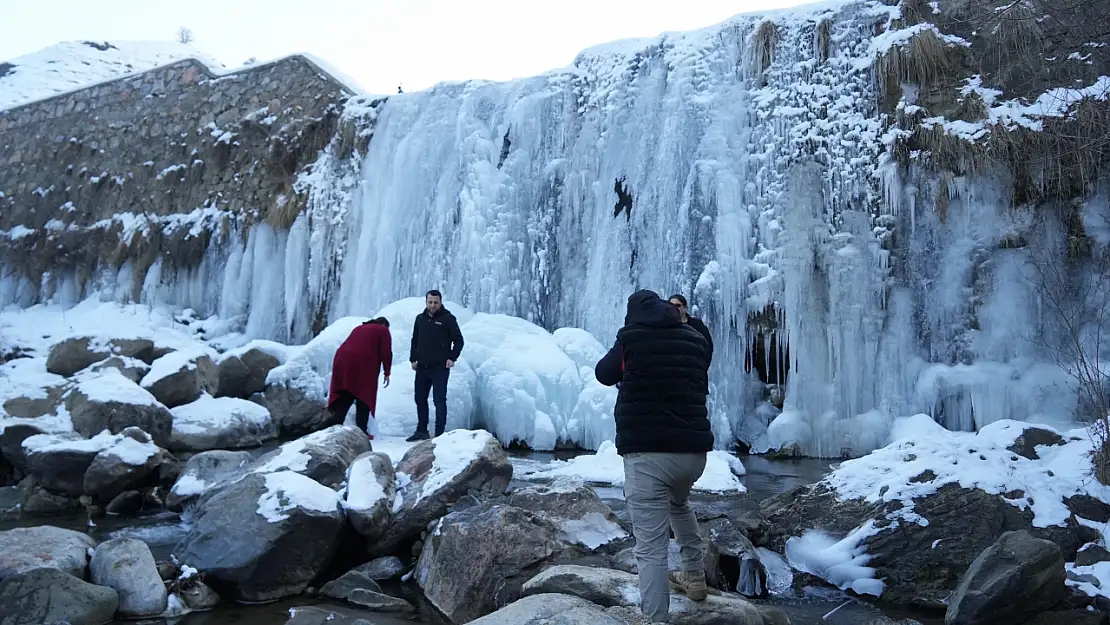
199 597
383 569
47 595
127 566
25 548
379 602
204 471
265 537
736 554
344 585
243 375
220 423
11 502
549 609
109 401
126 504
370 492
1013 579
74 354
295 413
181 377
58 462
428 487
39 501
1026 443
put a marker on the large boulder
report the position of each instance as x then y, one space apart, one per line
127 566
11 444
242 374
264 537
323 456
295 412
434 474
74 354
550 609
575 508
25 548
50 596
181 377
912 510
1011 581
125 465
142 350
58 462
370 493
204 471
611 588
36 404
220 423
109 401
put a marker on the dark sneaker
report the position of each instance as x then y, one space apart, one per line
439 432
417 436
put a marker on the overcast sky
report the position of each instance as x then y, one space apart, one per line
379 43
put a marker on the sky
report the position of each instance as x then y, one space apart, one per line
381 44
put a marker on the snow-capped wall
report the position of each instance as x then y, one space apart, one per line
762 167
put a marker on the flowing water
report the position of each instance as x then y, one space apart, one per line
765 478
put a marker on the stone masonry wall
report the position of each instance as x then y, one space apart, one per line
160 145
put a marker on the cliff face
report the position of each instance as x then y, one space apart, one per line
878 210
149 167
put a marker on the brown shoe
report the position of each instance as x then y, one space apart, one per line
690 584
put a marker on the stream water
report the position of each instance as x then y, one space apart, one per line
764 478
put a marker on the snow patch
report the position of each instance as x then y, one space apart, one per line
208 413
452 453
109 385
287 491
363 489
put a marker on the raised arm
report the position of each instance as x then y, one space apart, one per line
610 369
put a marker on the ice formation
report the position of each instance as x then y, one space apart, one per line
754 156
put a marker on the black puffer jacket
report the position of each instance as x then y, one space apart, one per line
662 366
435 339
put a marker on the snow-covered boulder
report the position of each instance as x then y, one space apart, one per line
26 548
131 368
35 403
880 524
51 596
71 355
181 376
204 471
220 423
125 465
109 401
582 517
371 488
323 456
58 462
435 473
127 566
264 537
242 372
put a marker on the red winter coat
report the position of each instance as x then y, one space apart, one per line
355 368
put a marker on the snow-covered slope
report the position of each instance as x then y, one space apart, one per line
75 64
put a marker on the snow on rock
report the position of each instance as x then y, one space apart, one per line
220 423
371 488
981 460
175 362
75 65
110 386
607 467
286 490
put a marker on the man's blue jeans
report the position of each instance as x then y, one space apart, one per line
432 379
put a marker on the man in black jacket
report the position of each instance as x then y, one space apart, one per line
663 433
436 345
684 311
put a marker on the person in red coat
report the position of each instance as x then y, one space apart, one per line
354 372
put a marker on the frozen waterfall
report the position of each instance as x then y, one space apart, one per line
753 153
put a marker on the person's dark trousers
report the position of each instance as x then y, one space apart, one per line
432 379
343 404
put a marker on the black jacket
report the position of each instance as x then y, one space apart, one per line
698 325
435 340
662 366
